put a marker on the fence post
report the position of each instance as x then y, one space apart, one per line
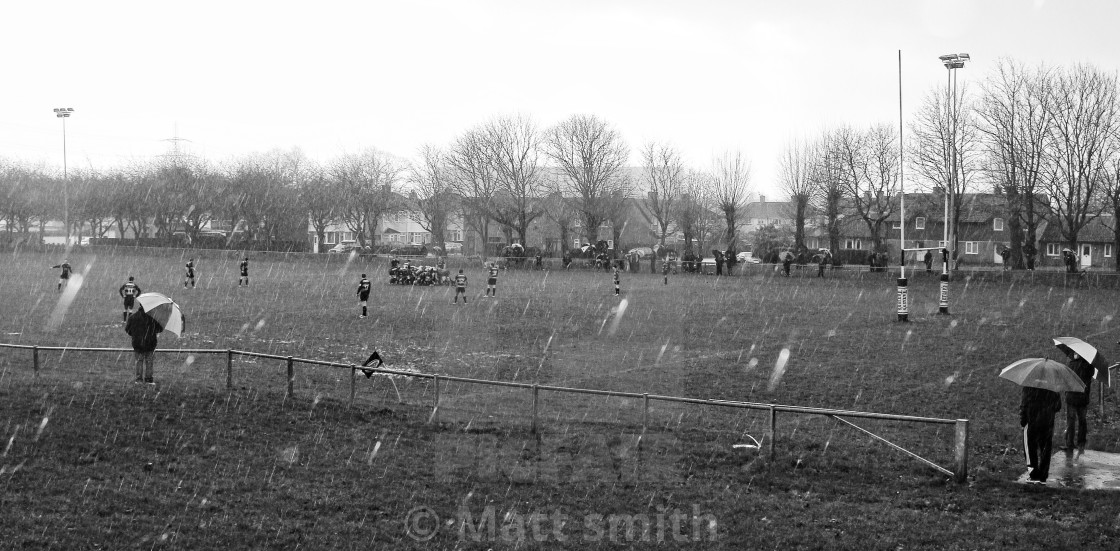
435 409
645 412
291 378
773 430
353 382
229 369
35 359
536 395
962 450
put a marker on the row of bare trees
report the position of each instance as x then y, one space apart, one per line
575 175
1045 139
507 173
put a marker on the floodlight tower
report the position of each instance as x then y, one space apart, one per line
952 62
64 113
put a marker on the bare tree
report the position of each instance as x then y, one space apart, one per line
320 195
828 182
732 178
561 211
999 110
591 156
435 200
475 180
1085 123
367 182
1112 202
513 147
869 173
664 179
694 214
795 176
945 136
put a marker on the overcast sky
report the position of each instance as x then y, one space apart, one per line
330 77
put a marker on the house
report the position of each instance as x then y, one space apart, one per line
1095 244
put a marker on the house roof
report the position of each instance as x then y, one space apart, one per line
767 210
1098 230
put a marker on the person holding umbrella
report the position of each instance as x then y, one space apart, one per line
143 330
1076 405
1042 379
1084 360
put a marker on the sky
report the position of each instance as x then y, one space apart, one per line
235 77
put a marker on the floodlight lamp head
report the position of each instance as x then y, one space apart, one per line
964 57
946 57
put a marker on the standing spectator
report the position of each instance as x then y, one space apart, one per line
190 274
1029 251
719 262
143 330
1076 405
129 291
617 283
1036 416
652 263
1071 261
730 260
460 286
491 281
566 260
787 260
244 272
363 294
64 277
539 262
1005 255
871 262
665 271
825 256
928 259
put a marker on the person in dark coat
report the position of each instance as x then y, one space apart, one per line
787 260
823 263
719 262
928 259
1005 255
730 259
143 330
1076 405
1036 416
1029 251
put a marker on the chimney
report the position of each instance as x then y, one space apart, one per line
761 198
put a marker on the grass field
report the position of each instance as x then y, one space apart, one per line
92 461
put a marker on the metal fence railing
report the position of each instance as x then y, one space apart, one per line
959 471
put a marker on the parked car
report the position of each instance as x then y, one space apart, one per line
344 247
746 257
410 250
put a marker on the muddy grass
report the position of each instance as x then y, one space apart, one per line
92 461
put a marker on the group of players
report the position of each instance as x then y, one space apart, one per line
417 275
130 290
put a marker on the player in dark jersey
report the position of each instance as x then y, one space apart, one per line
617 282
244 273
64 277
491 281
190 274
460 286
129 291
665 270
363 294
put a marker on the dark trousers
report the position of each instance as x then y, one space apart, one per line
1038 441
1075 426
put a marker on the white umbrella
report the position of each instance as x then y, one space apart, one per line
1043 373
164 311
